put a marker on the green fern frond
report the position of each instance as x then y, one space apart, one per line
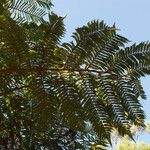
93 46
98 116
139 88
28 10
132 58
130 101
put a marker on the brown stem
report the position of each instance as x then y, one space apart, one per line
41 69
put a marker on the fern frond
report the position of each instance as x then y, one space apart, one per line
139 88
116 107
70 106
93 45
129 97
141 70
28 10
48 114
136 56
13 45
98 116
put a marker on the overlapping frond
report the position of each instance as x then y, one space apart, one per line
27 10
13 44
44 42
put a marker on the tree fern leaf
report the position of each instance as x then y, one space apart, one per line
130 102
140 90
132 57
44 105
70 106
116 107
91 102
29 10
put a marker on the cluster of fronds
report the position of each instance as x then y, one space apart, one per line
94 77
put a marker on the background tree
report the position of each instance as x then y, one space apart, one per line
125 143
56 86
128 145
148 127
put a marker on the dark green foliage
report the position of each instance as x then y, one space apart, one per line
45 82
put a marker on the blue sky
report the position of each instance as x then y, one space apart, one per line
132 17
